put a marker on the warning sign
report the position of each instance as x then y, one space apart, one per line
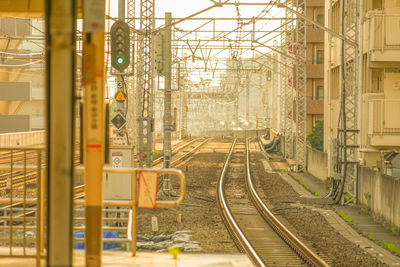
118 121
147 197
116 159
120 96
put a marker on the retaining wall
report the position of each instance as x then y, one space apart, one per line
381 194
317 163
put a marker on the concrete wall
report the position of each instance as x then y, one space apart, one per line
317 163
22 139
379 192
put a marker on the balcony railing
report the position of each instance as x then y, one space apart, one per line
381 31
383 116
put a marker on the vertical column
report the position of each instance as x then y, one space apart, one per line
94 126
167 91
60 88
145 83
301 87
347 147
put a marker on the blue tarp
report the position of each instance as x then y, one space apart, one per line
106 245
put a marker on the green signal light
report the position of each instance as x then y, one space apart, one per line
120 60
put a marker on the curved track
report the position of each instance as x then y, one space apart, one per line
252 225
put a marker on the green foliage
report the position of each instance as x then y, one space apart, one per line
346 217
364 208
368 195
348 197
316 137
392 247
371 236
317 194
393 229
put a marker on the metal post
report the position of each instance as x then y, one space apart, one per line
301 87
94 126
167 91
347 147
133 229
145 81
60 88
167 98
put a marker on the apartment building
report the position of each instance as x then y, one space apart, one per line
315 63
379 81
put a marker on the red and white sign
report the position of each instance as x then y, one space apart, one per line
147 196
117 159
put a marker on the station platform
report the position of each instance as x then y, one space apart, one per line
145 259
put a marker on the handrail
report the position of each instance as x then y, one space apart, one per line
134 172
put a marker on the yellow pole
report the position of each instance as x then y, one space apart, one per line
94 129
133 230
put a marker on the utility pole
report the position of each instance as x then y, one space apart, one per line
167 96
301 87
145 83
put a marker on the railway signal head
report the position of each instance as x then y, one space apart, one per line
268 75
120 45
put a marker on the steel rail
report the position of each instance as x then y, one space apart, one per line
175 150
302 250
228 217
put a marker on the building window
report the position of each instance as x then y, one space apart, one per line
336 17
377 81
335 82
320 93
321 19
320 57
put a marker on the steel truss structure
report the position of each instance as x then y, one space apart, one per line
301 87
145 82
347 143
288 43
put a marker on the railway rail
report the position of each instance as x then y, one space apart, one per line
251 224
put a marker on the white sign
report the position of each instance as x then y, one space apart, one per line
93 12
116 159
119 140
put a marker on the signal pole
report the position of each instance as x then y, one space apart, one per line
167 95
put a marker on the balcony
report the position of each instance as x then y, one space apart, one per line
315 71
315 106
383 42
383 124
315 3
314 35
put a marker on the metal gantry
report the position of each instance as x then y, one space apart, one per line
300 87
347 144
145 82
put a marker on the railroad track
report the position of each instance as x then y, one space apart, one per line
251 224
180 154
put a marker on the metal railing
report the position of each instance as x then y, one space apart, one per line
22 203
383 116
22 212
128 204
